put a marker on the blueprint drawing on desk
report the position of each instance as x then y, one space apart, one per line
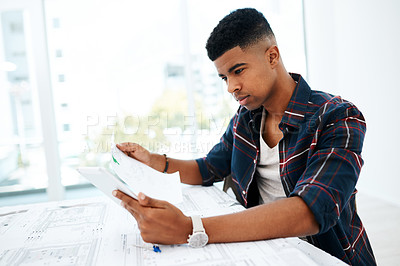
97 232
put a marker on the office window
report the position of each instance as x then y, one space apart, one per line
143 73
22 160
140 72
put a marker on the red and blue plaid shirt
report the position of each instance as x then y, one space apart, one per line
320 161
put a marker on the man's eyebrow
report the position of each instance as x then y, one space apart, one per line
233 68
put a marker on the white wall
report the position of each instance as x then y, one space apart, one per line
353 50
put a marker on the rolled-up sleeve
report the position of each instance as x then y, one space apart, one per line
217 164
334 164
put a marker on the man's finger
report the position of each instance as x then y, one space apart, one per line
131 211
129 201
127 146
147 201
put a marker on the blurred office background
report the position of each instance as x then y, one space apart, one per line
73 72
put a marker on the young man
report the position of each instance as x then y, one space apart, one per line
294 155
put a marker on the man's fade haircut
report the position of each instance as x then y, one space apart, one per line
242 27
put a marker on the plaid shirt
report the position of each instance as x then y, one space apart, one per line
320 161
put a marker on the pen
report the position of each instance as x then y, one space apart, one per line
155 248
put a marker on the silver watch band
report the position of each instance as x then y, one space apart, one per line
197 224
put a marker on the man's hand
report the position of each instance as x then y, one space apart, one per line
158 221
135 151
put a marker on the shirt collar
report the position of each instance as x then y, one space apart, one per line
297 107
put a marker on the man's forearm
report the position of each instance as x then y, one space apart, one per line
284 218
188 169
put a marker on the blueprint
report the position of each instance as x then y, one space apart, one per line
212 202
97 232
79 253
273 252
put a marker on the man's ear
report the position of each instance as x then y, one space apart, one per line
272 55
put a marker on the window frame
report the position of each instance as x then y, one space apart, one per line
39 64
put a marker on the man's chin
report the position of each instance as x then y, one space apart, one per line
251 107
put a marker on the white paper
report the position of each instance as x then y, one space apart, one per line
142 178
105 181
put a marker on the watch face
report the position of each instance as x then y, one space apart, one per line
198 240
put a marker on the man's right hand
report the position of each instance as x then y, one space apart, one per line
188 169
136 151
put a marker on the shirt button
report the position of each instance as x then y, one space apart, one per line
244 192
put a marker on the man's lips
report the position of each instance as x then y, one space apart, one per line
242 100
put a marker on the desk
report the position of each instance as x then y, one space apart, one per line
96 231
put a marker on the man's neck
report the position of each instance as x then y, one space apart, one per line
282 93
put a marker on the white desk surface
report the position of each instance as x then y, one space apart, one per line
96 231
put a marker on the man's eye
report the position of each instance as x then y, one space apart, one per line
224 79
238 71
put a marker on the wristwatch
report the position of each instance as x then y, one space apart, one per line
199 238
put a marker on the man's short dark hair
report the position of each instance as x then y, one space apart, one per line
242 27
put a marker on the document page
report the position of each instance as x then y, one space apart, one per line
142 178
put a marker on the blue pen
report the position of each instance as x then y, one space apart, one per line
156 249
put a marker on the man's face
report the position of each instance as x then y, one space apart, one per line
248 75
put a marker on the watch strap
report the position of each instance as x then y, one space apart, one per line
197 224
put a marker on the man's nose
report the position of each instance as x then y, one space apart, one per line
233 86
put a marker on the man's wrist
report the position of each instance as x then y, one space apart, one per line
156 161
187 230
162 163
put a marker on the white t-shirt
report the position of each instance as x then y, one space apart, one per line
269 180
